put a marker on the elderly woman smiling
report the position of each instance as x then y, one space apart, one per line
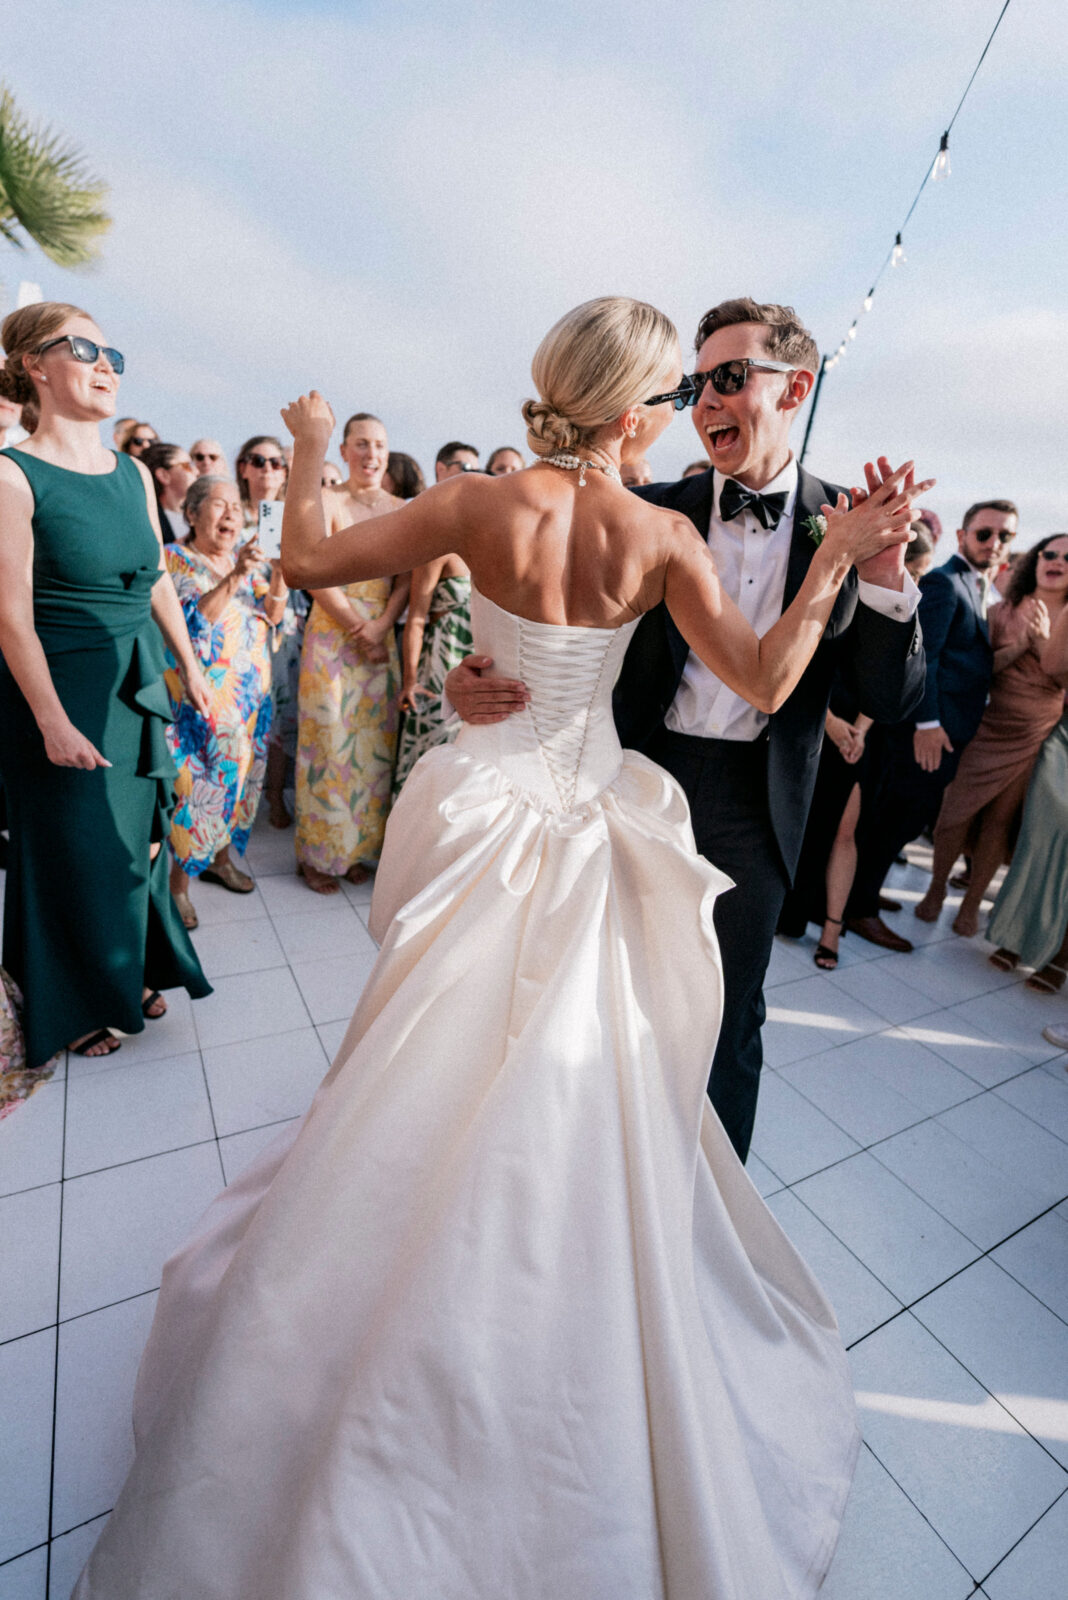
231 598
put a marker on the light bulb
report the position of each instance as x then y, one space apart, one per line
897 255
941 168
868 298
852 332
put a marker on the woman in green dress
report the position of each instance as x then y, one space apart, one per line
1030 920
90 931
437 637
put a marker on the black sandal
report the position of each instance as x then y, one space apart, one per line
829 961
99 1037
148 1002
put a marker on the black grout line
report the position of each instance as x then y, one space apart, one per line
55 1371
919 1509
9 1559
1024 1535
982 1256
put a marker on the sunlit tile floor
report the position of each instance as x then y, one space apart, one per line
912 1138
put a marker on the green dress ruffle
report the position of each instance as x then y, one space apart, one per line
88 918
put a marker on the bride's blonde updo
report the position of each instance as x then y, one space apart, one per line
21 334
596 361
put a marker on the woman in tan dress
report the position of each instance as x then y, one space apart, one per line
1027 632
349 688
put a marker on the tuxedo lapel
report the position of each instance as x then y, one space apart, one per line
810 496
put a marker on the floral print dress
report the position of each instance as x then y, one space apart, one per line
221 765
348 738
446 640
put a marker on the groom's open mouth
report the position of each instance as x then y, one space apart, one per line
722 438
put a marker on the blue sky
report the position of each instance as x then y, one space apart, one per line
394 203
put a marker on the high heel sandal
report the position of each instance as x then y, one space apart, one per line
824 957
1048 980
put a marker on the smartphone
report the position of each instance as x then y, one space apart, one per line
269 528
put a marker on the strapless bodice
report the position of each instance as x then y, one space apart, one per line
563 748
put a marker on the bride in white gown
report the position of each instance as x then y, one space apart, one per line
503 1318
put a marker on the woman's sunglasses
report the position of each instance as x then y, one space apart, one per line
260 462
85 350
728 378
1052 555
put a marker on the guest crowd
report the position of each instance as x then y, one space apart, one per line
332 696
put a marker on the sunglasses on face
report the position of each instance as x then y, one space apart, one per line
85 350
1052 555
728 378
984 535
205 455
141 443
274 462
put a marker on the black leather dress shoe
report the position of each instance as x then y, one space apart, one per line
874 929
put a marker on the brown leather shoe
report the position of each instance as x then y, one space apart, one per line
886 904
874 929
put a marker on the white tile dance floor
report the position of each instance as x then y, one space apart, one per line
912 1138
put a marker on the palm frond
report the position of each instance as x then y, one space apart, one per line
46 190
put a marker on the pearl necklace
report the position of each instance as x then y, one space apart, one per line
568 462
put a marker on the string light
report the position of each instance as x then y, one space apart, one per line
936 172
941 168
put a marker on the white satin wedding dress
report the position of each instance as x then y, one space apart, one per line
503 1318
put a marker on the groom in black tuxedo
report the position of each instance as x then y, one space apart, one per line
749 777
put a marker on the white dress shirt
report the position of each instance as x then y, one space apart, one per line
751 562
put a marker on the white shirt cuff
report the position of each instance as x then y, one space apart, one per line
924 726
897 604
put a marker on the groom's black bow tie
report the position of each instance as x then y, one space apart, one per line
735 498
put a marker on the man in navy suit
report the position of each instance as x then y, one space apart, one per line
749 777
922 756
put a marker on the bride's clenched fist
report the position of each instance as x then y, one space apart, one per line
309 419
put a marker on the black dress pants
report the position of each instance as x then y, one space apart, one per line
726 784
906 800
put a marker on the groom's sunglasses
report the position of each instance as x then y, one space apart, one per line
728 378
85 350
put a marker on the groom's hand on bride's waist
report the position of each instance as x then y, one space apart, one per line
476 696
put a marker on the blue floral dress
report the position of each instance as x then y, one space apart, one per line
221 764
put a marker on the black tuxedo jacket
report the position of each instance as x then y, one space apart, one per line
960 662
881 658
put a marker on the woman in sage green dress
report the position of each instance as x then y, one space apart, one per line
1030 920
90 931
437 637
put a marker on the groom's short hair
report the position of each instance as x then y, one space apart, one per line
787 338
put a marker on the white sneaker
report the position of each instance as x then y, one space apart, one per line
1057 1036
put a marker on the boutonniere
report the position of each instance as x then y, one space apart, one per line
816 528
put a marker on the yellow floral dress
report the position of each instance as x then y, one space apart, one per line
347 738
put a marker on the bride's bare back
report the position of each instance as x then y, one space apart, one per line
544 547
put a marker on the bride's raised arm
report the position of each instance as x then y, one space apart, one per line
379 547
766 671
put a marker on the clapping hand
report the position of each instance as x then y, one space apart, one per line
310 419
883 511
1034 613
